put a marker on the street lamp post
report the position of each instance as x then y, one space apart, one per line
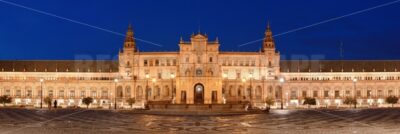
251 86
41 93
244 83
370 98
147 86
355 90
281 80
224 76
115 94
154 81
172 86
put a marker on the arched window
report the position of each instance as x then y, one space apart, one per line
198 59
258 91
128 91
119 91
166 90
187 72
158 92
240 91
139 92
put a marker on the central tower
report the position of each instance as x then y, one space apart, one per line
198 77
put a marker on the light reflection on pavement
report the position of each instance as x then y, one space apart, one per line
278 121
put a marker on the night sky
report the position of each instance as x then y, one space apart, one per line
370 35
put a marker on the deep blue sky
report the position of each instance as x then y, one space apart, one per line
29 35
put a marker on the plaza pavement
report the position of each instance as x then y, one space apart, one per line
82 121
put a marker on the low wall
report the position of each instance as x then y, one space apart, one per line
198 107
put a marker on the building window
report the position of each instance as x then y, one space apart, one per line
337 94
72 93
293 94
358 93
304 94
157 63
347 92
50 93
369 93
237 75
39 93
104 94
198 59
29 93
151 62
82 94
187 59
211 59
326 94
174 62
61 93
94 94
145 63
18 93
159 75
168 64
315 94
158 91
380 93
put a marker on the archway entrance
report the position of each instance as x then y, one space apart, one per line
198 94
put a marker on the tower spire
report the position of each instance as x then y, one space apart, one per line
268 39
129 39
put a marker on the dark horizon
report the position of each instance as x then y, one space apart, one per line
31 35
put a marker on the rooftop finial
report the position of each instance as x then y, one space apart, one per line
181 40
199 31
130 25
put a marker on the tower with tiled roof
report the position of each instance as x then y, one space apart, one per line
126 55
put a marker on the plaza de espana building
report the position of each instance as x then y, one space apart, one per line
199 73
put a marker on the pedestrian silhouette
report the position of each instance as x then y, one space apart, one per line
55 103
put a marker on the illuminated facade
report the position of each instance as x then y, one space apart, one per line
199 74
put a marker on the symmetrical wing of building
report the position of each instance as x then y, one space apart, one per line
199 73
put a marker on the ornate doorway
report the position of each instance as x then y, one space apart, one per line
198 94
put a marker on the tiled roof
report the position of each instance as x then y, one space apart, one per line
59 66
285 66
339 65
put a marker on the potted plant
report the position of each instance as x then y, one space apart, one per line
269 101
87 101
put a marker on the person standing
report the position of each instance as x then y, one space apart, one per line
55 103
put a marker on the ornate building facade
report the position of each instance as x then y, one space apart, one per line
199 74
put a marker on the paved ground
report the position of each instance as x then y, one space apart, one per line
278 121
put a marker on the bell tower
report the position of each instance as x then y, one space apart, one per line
126 55
269 43
271 55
